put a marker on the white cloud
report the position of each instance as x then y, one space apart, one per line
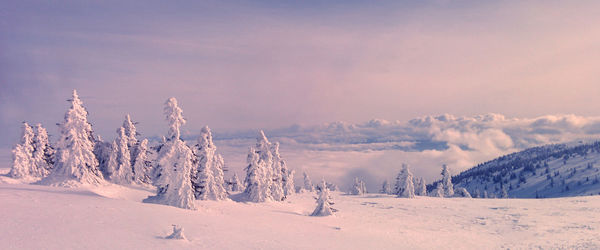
376 149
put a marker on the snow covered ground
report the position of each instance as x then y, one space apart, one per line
113 217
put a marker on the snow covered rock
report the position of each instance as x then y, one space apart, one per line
177 233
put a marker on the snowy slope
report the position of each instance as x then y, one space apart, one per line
558 170
112 217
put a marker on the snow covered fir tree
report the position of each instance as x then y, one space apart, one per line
420 187
32 157
119 168
257 180
386 188
207 180
358 187
75 163
324 201
307 183
142 166
234 184
404 183
447 182
175 164
267 175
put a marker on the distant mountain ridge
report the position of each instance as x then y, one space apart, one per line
556 170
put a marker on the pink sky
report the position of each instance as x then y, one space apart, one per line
264 65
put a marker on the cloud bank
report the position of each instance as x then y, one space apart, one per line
375 150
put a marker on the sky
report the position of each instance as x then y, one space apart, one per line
247 65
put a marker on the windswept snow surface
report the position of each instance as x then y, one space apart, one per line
113 217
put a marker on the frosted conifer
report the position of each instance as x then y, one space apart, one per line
288 183
462 192
406 185
119 164
438 191
75 162
23 162
130 133
208 182
142 168
277 173
421 187
357 187
386 188
324 202
308 186
43 152
174 185
256 188
447 182
236 186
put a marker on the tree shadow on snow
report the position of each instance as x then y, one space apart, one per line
72 192
289 212
238 197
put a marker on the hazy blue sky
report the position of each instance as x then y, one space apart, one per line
265 64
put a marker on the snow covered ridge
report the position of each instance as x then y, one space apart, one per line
557 170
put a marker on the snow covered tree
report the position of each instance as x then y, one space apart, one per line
406 188
332 187
477 194
130 133
23 163
42 152
447 182
257 189
273 170
438 191
207 181
504 194
279 173
288 182
236 186
386 188
308 186
461 192
219 174
174 185
75 162
358 187
102 151
363 187
119 164
421 187
142 168
485 194
324 202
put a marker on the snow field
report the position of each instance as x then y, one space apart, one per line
43 217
